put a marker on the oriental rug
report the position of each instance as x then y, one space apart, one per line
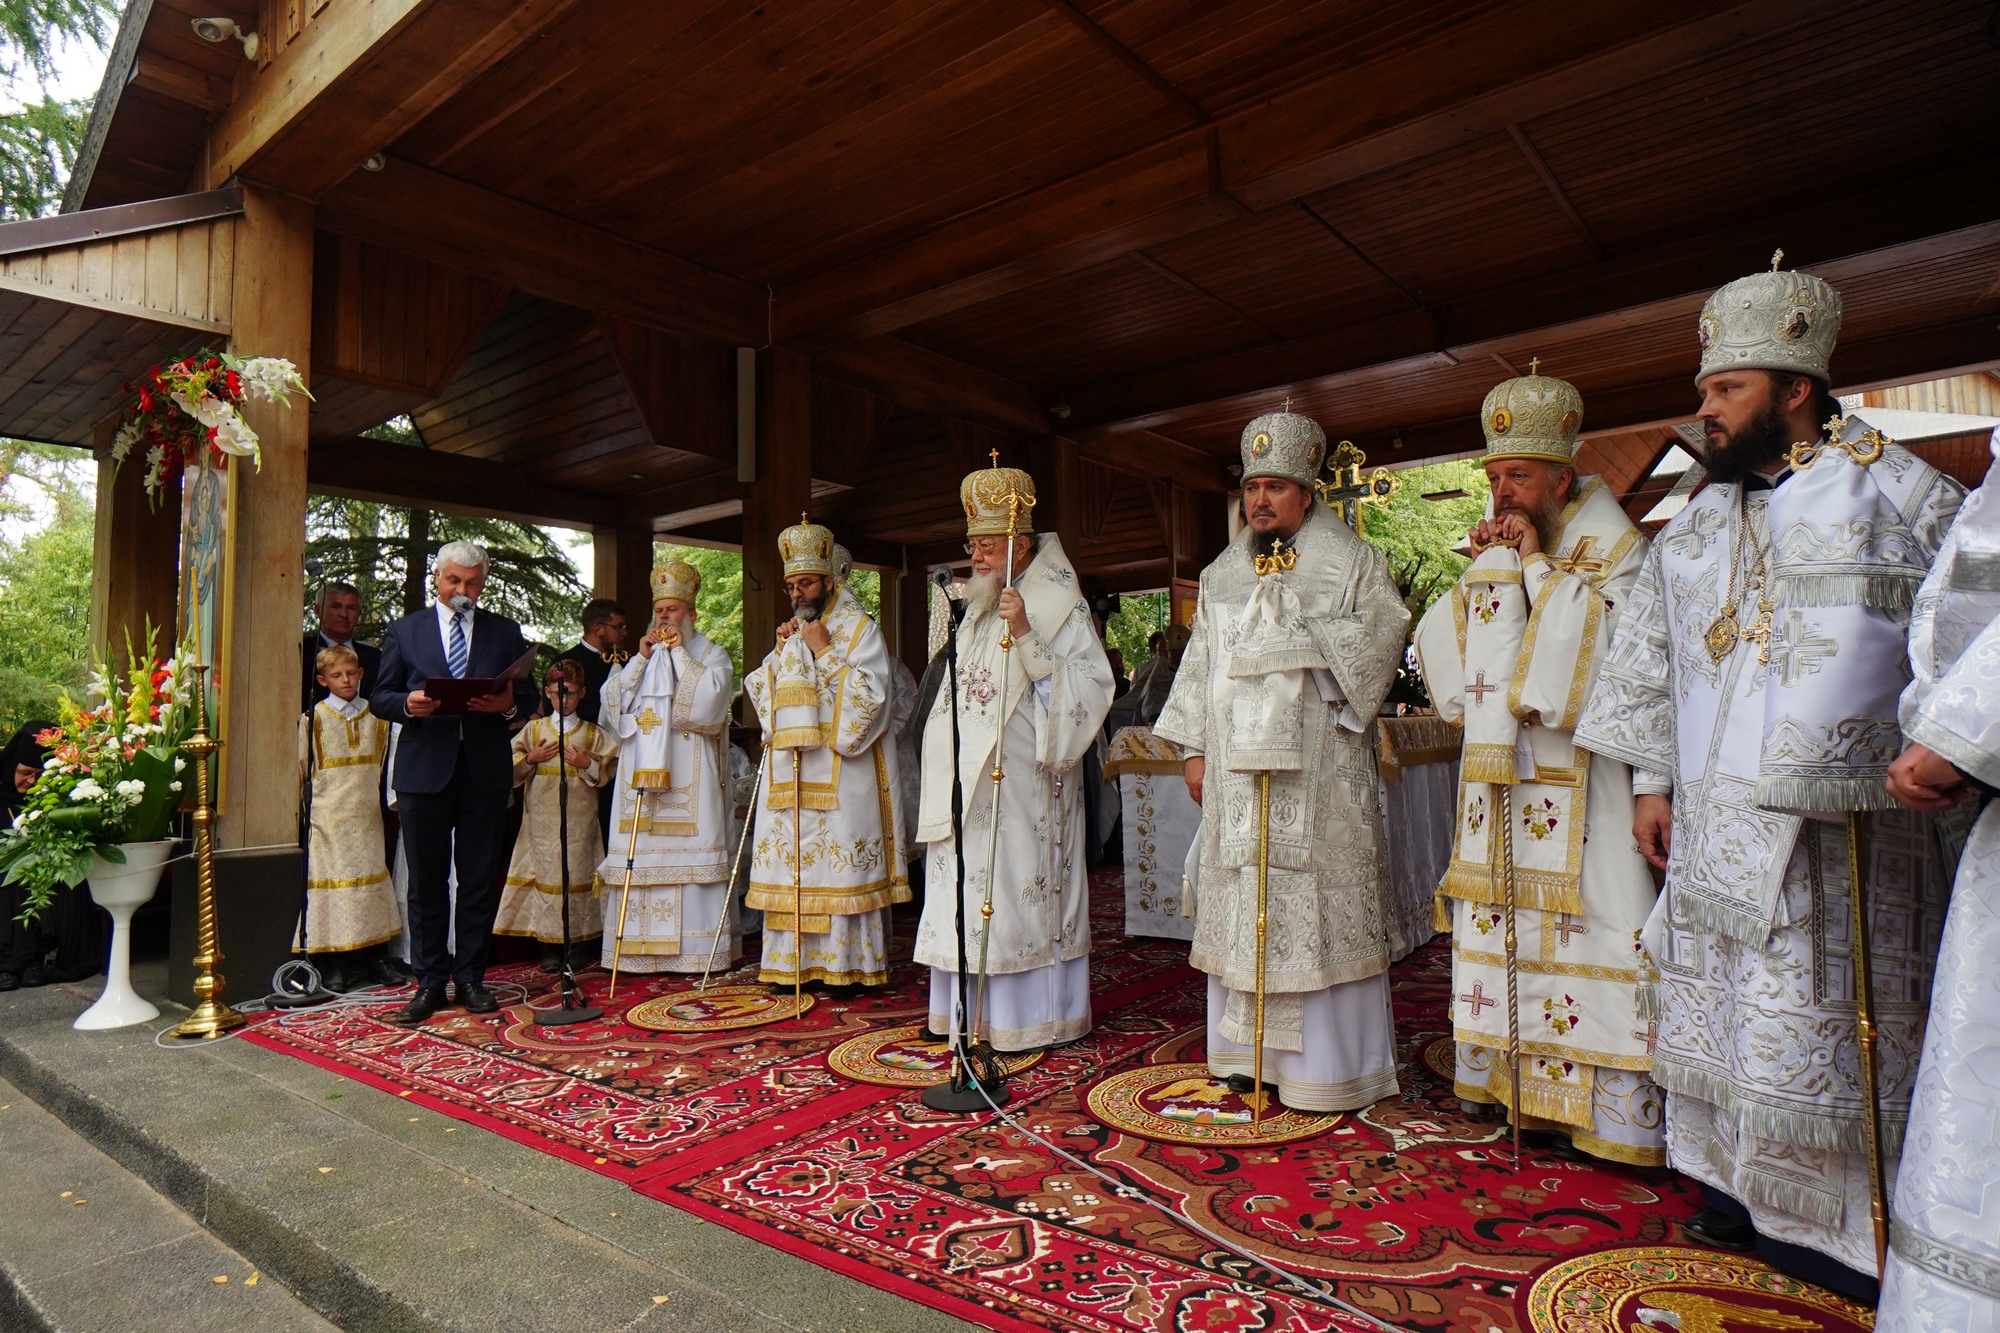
1408 1209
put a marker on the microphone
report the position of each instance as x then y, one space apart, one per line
459 602
954 601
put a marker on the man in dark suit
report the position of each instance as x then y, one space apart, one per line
601 651
337 611
452 775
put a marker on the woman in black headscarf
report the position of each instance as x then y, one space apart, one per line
68 927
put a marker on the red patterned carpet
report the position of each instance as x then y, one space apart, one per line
1409 1209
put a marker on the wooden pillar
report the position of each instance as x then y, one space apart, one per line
1057 467
913 618
273 317
781 492
135 561
623 560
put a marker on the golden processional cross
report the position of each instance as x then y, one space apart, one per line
1347 490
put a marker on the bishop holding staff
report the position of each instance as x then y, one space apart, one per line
1511 653
827 809
1296 637
1027 712
1752 687
668 709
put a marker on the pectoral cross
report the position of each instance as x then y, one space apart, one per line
1650 1036
1477 999
1567 925
647 720
1798 650
1479 689
1758 632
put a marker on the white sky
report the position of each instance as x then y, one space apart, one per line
79 69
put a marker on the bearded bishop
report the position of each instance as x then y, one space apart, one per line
826 863
1944 1260
1752 687
668 707
1296 636
1032 689
1511 654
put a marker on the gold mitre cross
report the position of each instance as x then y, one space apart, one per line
1534 365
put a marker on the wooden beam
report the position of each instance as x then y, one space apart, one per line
1424 99
1555 189
926 381
782 491
623 559
179 82
357 78
1127 58
425 212
1153 456
684 388
402 474
1897 224
683 497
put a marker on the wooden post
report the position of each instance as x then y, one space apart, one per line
782 491
273 317
913 619
623 571
135 559
1057 467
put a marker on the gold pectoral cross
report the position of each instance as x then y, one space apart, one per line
647 720
1758 632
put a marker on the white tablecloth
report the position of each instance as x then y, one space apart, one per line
1161 822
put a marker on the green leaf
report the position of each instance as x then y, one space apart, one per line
112 852
148 820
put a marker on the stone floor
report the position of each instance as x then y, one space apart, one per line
139 1174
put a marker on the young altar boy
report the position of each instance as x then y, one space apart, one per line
350 903
531 904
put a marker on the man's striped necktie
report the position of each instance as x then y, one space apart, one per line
455 652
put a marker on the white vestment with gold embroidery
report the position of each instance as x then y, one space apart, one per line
1283 675
350 902
669 713
531 903
1757 1042
1511 653
839 803
1045 699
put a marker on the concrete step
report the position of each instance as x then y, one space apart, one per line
376 1218
88 1247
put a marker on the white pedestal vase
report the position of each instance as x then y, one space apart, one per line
121 890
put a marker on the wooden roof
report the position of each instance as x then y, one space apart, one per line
1130 223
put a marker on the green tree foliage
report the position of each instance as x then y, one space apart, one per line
31 31
38 146
1416 535
385 552
44 580
1138 619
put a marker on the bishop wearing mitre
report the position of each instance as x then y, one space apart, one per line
668 707
1297 633
1752 687
1511 653
826 863
1031 690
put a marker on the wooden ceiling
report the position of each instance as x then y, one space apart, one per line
1130 223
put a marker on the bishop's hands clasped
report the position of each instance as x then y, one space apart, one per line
659 634
812 631
1506 528
1923 779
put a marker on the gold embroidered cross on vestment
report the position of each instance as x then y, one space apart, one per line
648 719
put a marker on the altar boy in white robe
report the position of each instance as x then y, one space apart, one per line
1042 698
668 706
1511 654
827 811
1944 1236
1296 637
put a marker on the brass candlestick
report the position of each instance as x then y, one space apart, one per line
210 1017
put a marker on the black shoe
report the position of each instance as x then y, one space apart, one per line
934 1038
476 998
392 966
426 1002
583 957
1719 1230
551 959
377 972
8 981
336 978
1551 1144
1241 1085
34 974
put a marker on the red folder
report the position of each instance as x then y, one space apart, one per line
453 693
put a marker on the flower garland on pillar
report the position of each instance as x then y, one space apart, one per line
189 413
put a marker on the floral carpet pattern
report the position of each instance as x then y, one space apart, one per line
1409 1209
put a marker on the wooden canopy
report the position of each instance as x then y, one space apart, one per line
1096 235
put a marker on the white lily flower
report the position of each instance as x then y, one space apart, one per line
174 786
86 790
131 787
179 763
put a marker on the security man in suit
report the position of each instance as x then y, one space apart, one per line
452 776
338 611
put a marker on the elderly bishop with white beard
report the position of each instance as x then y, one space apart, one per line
1033 676
1296 637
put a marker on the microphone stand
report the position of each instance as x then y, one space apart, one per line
975 1082
571 1010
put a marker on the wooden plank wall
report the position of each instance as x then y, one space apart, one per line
178 275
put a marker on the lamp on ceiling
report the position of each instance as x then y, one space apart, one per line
221 30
